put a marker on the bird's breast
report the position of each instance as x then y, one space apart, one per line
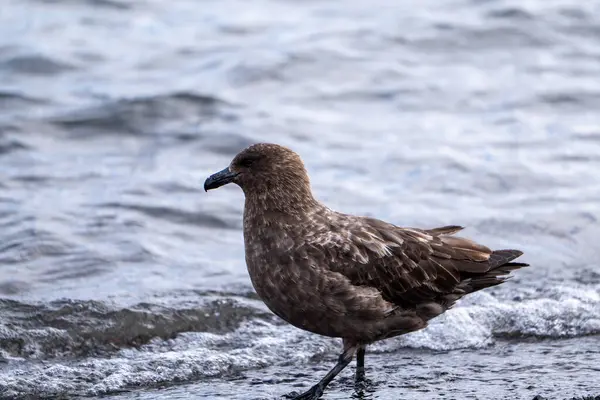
287 286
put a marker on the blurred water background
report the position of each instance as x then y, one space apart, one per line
119 276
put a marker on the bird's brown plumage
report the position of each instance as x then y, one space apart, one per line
358 278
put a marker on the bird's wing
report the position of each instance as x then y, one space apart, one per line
406 265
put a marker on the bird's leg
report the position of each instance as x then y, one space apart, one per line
360 364
344 359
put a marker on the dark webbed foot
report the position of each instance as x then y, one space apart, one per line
359 379
344 359
313 393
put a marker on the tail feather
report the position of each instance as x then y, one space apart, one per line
501 257
500 267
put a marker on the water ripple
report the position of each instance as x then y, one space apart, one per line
175 215
141 116
35 65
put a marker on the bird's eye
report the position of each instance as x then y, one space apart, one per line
247 161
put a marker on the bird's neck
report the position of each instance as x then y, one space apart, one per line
279 207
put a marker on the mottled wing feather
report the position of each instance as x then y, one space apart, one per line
445 230
406 265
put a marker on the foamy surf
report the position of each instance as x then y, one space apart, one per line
262 342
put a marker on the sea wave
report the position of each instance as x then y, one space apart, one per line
150 345
563 312
69 328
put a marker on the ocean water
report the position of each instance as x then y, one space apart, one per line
120 277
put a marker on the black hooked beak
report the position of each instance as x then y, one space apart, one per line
219 179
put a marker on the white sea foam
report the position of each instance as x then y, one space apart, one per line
476 323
